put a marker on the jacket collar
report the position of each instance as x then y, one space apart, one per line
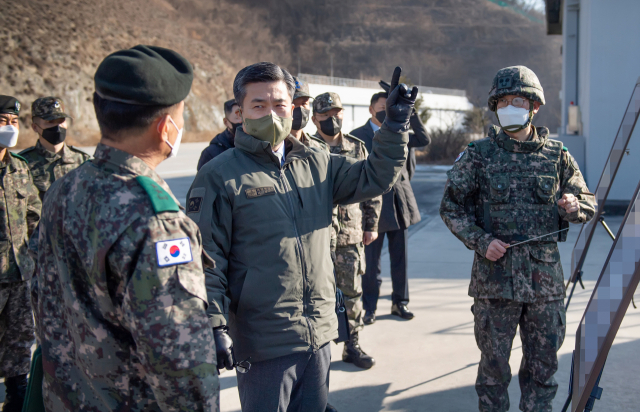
261 150
116 161
538 139
65 154
224 139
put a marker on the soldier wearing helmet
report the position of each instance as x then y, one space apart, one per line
510 187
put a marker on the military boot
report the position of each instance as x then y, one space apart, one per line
353 353
16 387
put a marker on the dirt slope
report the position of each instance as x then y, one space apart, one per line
54 48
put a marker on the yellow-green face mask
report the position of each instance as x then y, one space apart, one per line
270 128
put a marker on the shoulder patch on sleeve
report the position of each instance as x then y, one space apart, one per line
19 157
161 201
173 252
460 156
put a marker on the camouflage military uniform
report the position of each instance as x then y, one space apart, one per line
506 189
313 141
19 214
47 167
122 299
349 223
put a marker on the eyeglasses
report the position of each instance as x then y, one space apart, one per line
515 102
244 366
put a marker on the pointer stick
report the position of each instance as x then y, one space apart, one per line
537 237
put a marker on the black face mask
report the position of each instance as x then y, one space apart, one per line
331 126
300 118
54 135
381 115
234 127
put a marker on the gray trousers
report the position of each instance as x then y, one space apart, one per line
291 383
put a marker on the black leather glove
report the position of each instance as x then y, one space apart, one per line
399 104
224 348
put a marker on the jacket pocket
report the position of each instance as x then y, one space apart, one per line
545 188
499 188
547 269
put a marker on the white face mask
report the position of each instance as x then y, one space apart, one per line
512 118
176 146
8 136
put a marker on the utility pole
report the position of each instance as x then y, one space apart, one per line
298 65
420 76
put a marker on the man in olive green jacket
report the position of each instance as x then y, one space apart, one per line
264 210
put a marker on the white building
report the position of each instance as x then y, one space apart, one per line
447 105
600 67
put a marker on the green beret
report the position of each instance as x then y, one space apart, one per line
144 75
9 105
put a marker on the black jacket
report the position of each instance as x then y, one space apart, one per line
399 206
222 142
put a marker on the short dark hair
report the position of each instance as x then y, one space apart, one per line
228 105
378 96
259 73
115 117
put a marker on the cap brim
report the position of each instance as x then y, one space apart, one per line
329 108
296 95
50 117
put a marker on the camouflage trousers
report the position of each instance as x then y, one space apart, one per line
542 329
349 265
16 329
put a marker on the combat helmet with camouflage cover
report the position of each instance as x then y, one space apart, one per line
516 80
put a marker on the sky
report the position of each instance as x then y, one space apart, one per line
536 4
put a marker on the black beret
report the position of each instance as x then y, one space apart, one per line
9 105
144 75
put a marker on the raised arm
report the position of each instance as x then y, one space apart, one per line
358 181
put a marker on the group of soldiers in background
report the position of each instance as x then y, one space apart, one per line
138 304
26 177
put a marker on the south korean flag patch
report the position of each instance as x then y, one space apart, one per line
460 156
173 252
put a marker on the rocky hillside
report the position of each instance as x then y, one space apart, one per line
54 48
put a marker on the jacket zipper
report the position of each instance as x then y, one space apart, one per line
304 267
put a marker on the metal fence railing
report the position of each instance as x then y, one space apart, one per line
370 84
